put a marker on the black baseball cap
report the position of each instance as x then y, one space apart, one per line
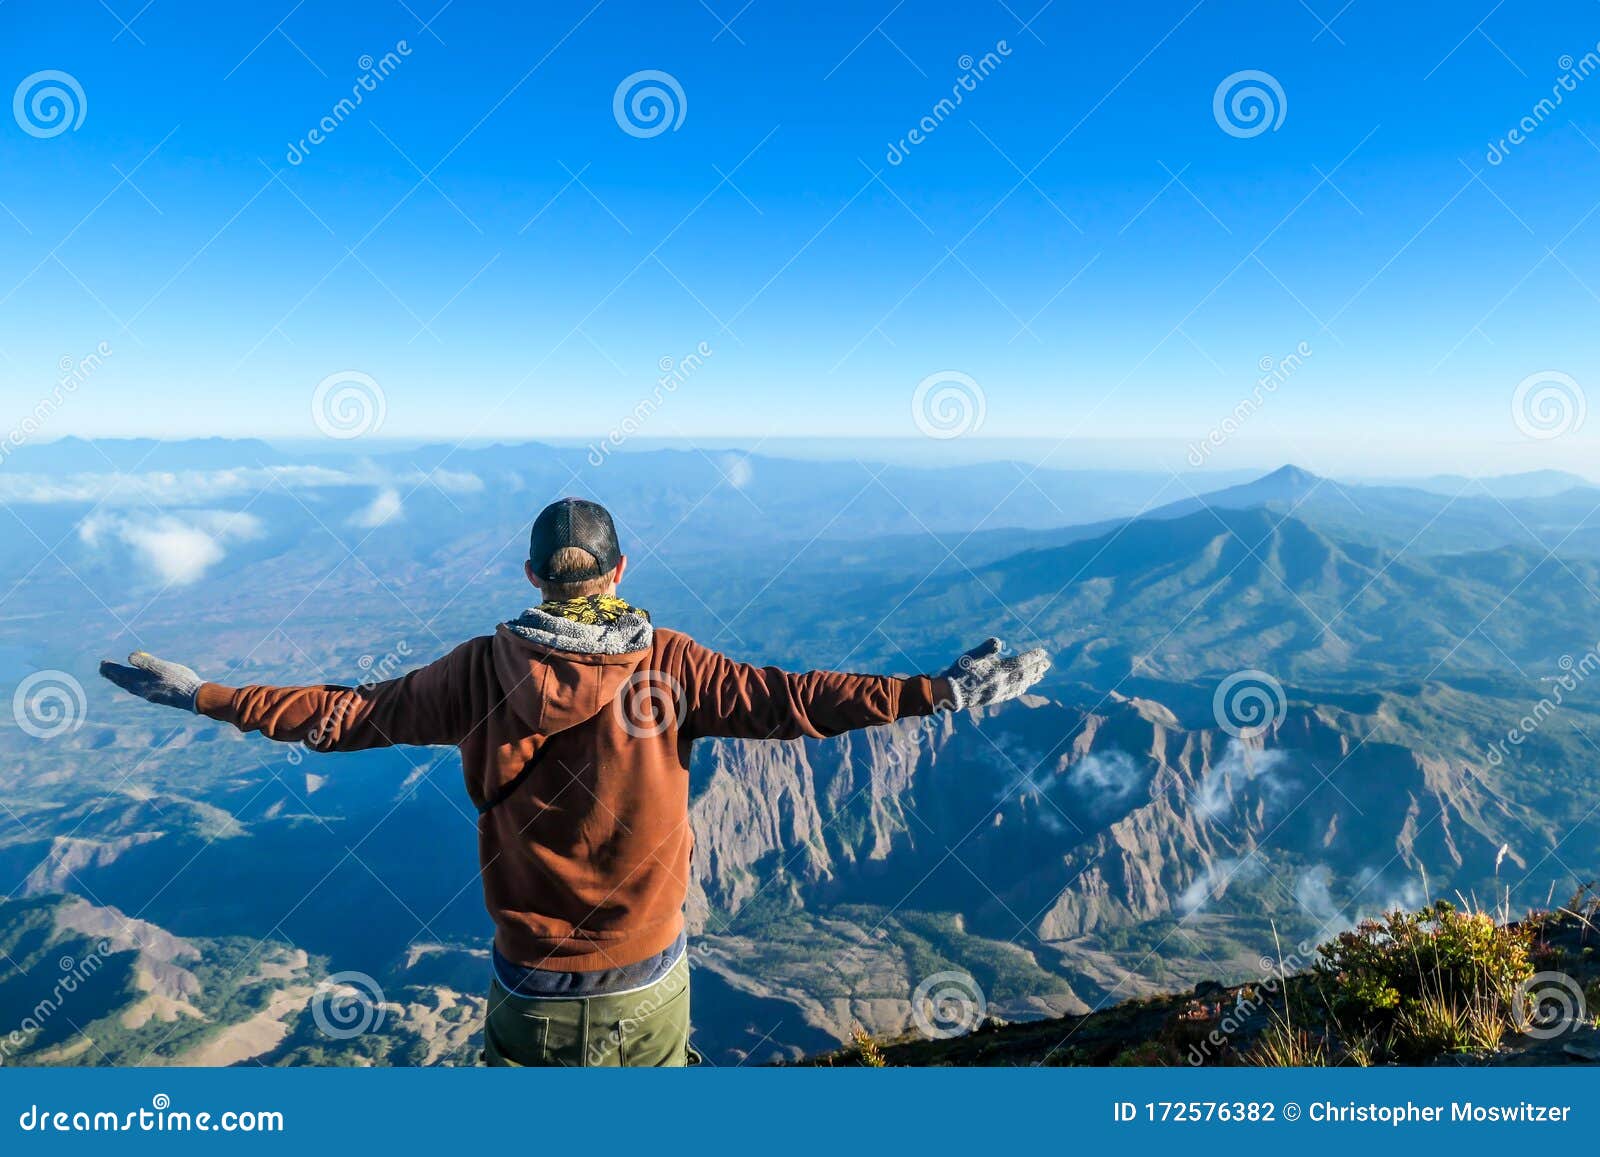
573 522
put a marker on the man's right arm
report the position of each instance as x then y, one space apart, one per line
430 705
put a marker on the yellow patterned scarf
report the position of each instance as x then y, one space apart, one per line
592 609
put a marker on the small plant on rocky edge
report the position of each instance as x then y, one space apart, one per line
1282 1046
867 1052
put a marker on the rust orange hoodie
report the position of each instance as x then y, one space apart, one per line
574 743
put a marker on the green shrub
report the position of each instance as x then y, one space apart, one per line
1437 980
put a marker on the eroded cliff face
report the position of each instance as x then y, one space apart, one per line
1071 821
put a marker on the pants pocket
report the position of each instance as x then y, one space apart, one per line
651 1029
512 1035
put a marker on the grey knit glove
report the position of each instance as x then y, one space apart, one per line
983 676
169 684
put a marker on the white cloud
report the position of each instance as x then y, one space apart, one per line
178 548
736 468
165 488
1112 775
385 505
1212 884
1313 893
1240 764
446 481
186 487
1378 895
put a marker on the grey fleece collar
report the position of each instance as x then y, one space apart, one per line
628 634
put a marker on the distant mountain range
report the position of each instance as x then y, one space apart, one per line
740 496
1214 591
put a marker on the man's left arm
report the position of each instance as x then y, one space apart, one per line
430 705
737 700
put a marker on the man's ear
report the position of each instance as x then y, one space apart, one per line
528 573
616 571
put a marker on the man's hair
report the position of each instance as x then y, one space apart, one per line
573 560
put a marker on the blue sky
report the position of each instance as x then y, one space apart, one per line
1080 237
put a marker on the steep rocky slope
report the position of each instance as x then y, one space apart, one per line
1114 847
1069 820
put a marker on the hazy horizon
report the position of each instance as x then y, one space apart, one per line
1367 463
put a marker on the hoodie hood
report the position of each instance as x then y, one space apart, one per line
631 632
576 670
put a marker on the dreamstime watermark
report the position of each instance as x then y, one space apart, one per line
347 1004
161 1117
948 404
919 732
973 73
648 703
348 404
49 703
1249 1001
630 1028
49 103
1248 103
1274 372
73 372
375 670
948 1004
373 73
648 103
1248 703
1573 73
1548 404
75 973
1575 672
674 372
1548 1004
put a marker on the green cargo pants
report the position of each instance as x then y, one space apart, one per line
648 1027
